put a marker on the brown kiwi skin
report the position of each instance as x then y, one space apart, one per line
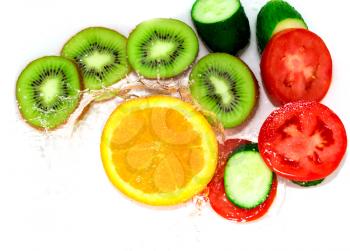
82 86
190 65
84 112
42 129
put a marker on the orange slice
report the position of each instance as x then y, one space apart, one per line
158 150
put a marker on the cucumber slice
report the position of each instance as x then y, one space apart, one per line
275 16
222 25
247 179
308 183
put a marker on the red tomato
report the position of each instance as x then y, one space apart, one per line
303 141
296 65
217 195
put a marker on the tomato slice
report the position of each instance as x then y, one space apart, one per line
217 195
303 141
296 65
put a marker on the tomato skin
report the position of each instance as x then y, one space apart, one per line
296 65
225 151
217 196
303 141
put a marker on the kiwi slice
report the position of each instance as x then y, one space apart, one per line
48 91
224 85
162 48
100 54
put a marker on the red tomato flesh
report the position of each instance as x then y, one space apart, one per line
296 65
217 195
303 141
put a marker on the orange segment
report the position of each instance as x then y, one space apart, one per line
169 174
196 160
140 157
128 129
171 127
158 150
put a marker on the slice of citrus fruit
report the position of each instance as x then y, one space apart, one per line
158 150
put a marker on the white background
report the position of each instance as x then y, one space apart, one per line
54 194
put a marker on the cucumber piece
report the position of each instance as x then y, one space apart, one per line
275 16
247 178
222 25
308 183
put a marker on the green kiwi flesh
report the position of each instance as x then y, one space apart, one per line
224 85
162 48
48 91
100 55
